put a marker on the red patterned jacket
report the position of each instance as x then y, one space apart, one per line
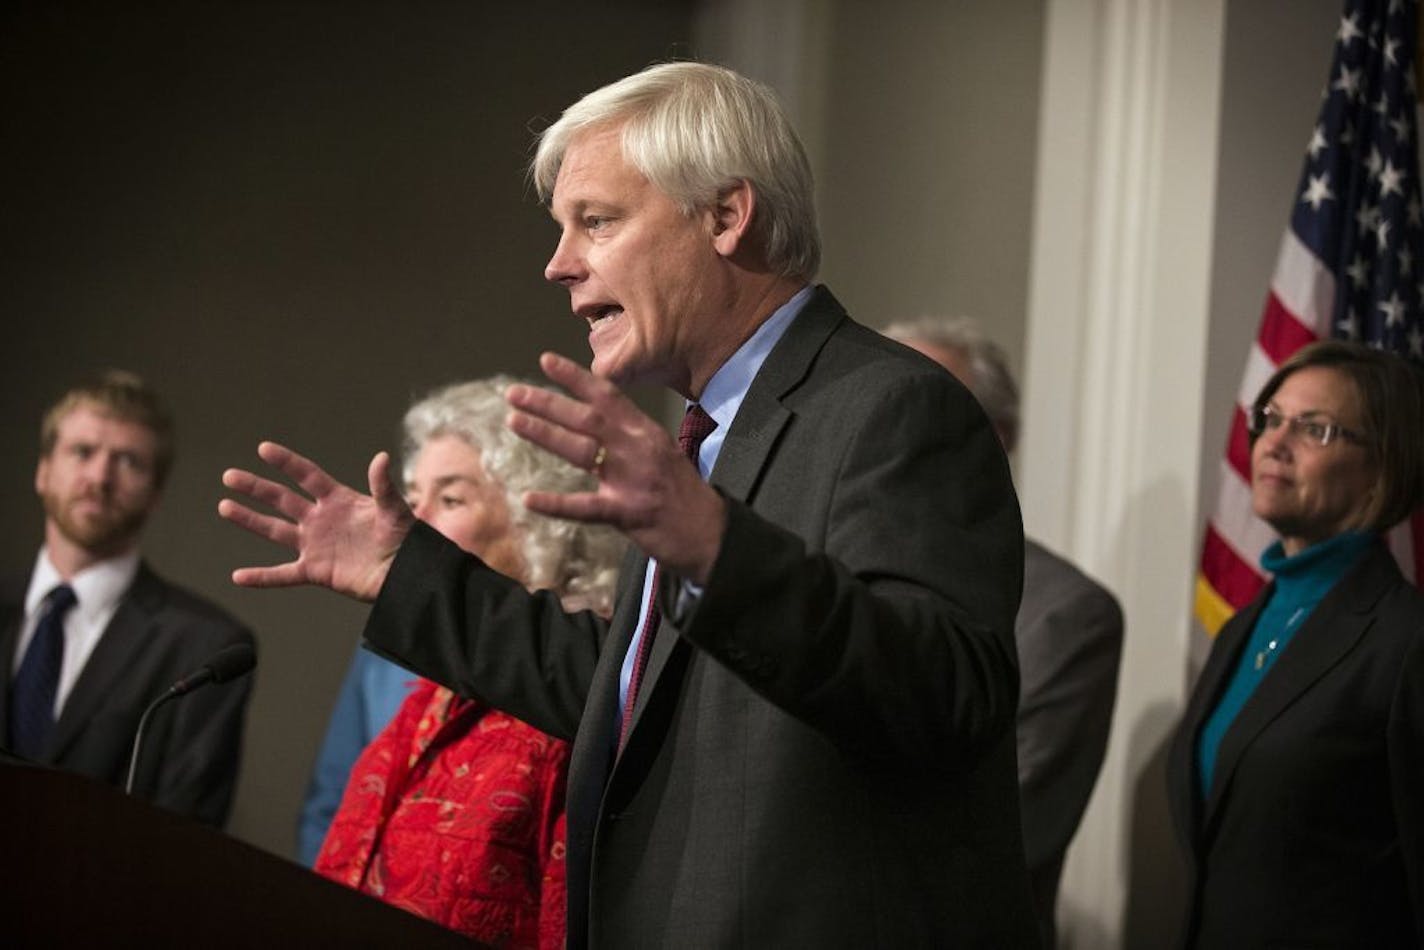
456 812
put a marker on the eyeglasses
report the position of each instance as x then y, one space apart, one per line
1264 419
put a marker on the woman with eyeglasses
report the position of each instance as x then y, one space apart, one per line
1297 774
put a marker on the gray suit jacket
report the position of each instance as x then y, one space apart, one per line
1069 634
822 752
159 634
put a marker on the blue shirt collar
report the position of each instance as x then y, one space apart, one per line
1318 567
723 395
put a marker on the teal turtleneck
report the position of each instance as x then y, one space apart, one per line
1300 582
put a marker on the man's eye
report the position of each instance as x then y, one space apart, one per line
451 501
130 461
595 222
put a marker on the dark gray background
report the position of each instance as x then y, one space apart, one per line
290 218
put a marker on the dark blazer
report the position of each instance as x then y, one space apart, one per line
1069 637
1313 831
822 753
159 634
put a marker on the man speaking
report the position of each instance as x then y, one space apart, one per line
797 729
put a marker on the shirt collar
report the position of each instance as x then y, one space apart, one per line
722 397
1317 567
97 588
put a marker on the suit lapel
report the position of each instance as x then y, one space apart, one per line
1186 802
763 414
593 752
1333 629
748 444
663 644
593 748
746 450
126 637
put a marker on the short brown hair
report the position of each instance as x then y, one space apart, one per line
125 396
1391 395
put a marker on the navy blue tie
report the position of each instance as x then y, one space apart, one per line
32 694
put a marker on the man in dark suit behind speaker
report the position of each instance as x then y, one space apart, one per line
1068 632
96 635
797 728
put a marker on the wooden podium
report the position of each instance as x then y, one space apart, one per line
82 865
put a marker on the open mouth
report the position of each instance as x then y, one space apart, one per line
601 313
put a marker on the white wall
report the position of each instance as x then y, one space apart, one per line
1116 350
920 119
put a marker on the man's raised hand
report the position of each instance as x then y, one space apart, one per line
343 539
646 487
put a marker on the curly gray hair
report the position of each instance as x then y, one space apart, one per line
577 561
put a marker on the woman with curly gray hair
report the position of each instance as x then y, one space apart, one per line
455 810
466 421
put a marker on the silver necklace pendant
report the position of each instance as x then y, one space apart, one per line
1262 654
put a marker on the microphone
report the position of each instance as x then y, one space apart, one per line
227 664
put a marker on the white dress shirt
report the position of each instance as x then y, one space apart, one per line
98 590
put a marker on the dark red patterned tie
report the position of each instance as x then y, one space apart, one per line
696 426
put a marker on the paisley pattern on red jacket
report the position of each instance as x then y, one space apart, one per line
455 813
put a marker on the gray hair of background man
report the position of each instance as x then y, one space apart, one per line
992 383
694 130
577 561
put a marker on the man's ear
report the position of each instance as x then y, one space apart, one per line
42 474
732 217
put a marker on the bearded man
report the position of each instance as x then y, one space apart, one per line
96 635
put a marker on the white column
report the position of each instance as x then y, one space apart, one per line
782 44
1115 363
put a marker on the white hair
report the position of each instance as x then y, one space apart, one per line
695 130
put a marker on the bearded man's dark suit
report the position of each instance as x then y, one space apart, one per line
159 634
1313 831
822 752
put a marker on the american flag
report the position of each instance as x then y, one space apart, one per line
1351 266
